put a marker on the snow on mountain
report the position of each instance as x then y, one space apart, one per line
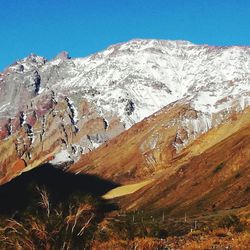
150 73
130 81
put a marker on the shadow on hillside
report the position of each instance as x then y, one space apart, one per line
18 194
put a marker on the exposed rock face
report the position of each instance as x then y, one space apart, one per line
37 82
130 107
64 55
51 127
75 105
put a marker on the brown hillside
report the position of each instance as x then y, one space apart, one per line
216 179
210 173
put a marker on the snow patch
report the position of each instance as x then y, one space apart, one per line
61 157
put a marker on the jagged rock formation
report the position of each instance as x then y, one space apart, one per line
60 109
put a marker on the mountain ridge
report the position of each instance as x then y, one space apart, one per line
93 99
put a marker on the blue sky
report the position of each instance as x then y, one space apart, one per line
82 27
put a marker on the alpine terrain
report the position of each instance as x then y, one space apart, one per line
166 122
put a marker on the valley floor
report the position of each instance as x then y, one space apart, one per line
219 239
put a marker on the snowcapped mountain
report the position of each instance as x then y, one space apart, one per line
67 107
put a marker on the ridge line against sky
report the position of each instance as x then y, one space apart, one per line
84 27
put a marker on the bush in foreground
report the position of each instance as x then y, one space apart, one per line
65 226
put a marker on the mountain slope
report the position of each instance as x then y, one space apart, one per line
215 179
209 174
60 109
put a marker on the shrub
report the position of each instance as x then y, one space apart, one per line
66 226
218 168
237 175
231 221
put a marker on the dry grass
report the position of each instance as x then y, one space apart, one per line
35 235
49 228
219 240
44 203
136 244
74 218
125 190
76 228
202 242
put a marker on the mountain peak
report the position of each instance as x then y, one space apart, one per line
140 44
34 58
64 55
